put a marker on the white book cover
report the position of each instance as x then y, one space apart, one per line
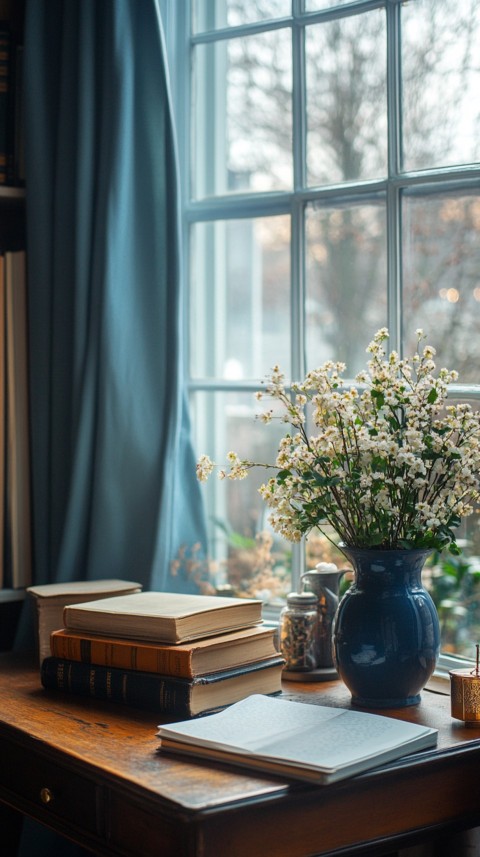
169 617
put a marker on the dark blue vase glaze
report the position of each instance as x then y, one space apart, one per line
386 631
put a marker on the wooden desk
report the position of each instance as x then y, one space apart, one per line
92 772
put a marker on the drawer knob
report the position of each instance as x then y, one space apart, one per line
46 796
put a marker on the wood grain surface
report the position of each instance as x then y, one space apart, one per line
101 761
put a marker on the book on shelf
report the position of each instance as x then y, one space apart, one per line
51 599
295 739
16 139
19 537
3 410
164 617
11 103
187 660
5 97
168 696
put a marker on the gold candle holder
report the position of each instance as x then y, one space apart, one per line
465 694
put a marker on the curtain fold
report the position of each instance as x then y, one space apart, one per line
113 472
114 492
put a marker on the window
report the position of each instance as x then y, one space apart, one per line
330 154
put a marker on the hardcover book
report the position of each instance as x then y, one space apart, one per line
5 81
186 660
167 695
51 599
163 617
18 477
296 739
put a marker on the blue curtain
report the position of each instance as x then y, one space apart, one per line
114 487
113 473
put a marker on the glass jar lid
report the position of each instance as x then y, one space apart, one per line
305 599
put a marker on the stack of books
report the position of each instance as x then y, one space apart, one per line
180 655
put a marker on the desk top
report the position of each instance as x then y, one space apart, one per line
91 770
121 741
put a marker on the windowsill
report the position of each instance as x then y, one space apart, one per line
439 682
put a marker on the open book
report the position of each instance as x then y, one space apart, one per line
296 739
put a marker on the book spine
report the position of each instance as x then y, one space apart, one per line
142 690
18 471
5 51
127 656
18 119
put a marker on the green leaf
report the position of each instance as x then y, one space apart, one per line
375 539
432 396
326 481
236 540
320 480
379 398
454 549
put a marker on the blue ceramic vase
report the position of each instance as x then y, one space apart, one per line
386 634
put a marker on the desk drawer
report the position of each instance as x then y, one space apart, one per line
49 787
128 823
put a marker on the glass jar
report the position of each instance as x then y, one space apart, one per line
298 627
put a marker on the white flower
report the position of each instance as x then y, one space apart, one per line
204 468
388 465
266 417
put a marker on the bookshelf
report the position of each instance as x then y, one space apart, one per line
12 218
12 241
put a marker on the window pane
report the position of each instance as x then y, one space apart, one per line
240 298
316 5
346 282
213 14
346 99
247 554
442 277
454 582
242 130
441 83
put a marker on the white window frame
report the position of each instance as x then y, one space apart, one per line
292 203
